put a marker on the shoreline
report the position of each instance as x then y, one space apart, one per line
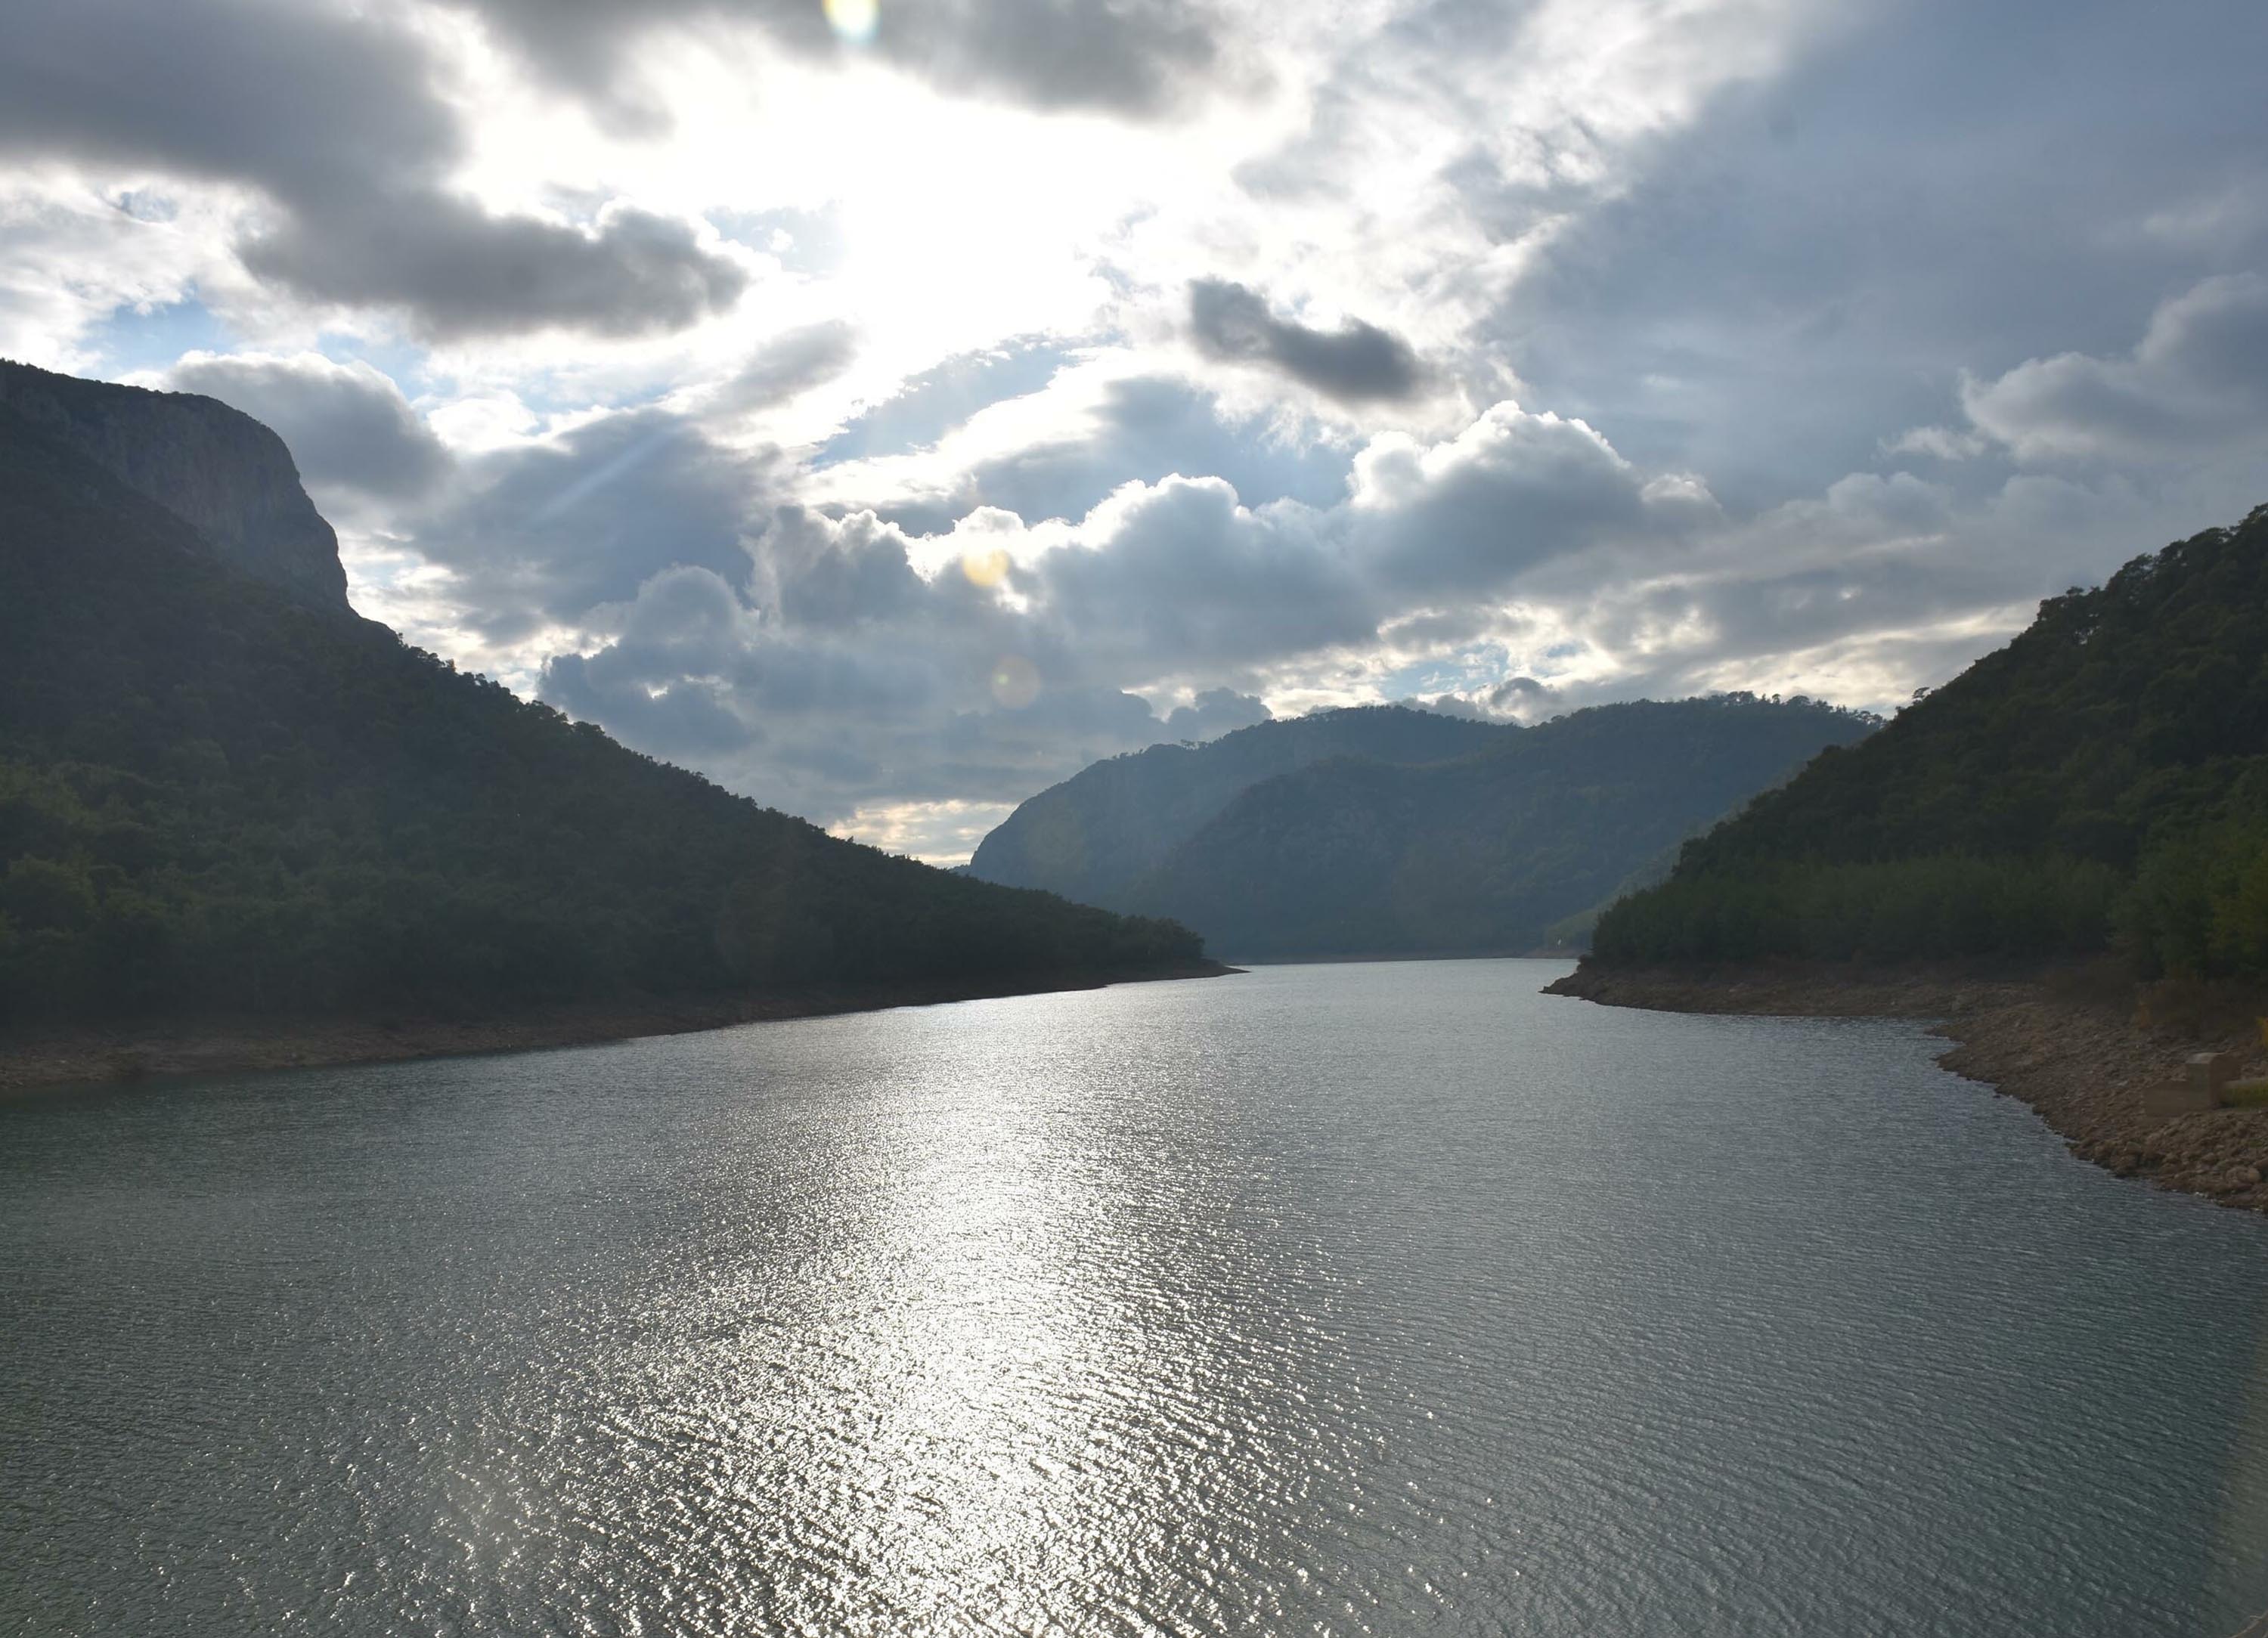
132 1054
2071 1043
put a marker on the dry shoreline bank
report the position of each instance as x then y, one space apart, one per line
230 1047
2071 1043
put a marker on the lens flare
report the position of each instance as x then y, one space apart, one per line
853 21
984 567
1015 681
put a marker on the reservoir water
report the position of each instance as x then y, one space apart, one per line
1395 1299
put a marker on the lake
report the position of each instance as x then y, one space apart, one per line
1390 1298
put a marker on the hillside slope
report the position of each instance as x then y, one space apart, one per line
1355 856
1090 837
2103 780
221 795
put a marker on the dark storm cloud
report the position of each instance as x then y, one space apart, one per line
347 425
1355 364
334 117
1132 57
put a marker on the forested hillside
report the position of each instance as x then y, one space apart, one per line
1355 856
1090 837
2100 782
1381 830
215 798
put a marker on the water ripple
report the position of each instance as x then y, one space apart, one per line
1327 1300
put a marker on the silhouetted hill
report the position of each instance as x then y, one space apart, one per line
1089 837
2102 779
220 793
1398 848
1356 856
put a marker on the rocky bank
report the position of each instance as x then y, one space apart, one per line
2077 1044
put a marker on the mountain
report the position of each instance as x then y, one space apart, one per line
1397 850
225 475
2101 782
1090 837
222 791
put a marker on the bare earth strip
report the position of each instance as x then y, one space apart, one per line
2077 1047
226 1046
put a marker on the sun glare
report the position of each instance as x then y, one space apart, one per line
1015 682
985 566
853 20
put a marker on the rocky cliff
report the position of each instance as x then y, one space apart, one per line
217 469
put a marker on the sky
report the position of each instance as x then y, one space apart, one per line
889 407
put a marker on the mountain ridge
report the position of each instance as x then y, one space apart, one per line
1485 852
1478 854
1086 837
222 796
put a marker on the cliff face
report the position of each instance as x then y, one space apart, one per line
217 469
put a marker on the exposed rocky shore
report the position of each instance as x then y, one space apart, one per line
227 1046
2079 1045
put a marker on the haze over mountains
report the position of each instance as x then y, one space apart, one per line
1387 831
222 793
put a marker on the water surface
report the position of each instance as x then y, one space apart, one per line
1391 1298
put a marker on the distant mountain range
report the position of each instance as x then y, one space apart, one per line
2101 782
223 792
1382 830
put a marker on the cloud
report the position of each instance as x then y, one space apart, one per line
1357 363
806 658
1136 58
1466 516
2197 381
1179 574
347 425
1525 699
544 533
457 270
788 365
1784 281
1147 428
934 401
1215 712
1058 451
334 118
1938 443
